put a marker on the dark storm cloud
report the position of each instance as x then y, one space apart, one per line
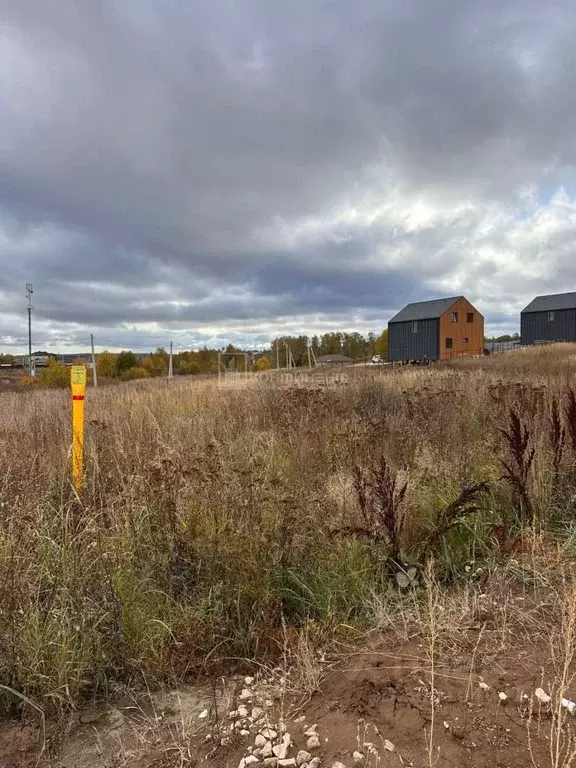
157 157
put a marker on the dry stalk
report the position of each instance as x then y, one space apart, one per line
562 740
517 470
432 632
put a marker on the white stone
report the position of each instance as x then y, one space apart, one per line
389 746
267 750
502 696
246 695
233 715
251 760
542 696
358 758
242 711
244 732
338 765
313 742
300 719
269 733
311 731
257 713
249 680
281 750
269 703
203 715
314 763
303 757
260 741
288 762
569 705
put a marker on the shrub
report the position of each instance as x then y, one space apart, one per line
138 372
262 364
56 375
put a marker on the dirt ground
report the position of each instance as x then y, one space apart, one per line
378 701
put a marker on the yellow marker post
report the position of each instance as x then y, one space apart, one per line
78 383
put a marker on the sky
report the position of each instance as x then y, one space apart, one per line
211 171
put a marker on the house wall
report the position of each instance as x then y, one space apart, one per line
461 330
535 326
405 345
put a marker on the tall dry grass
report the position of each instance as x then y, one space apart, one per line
211 518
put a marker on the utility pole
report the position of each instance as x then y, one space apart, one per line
29 292
170 364
277 356
309 356
287 356
94 374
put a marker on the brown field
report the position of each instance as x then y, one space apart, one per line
271 528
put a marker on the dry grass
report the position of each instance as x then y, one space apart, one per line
211 517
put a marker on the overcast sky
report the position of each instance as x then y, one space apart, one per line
211 170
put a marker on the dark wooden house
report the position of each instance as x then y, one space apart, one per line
549 318
440 329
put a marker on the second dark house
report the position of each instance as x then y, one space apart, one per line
549 318
440 329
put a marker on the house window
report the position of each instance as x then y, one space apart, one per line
465 341
470 317
551 316
448 343
415 326
454 317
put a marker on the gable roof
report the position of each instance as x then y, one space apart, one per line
552 302
333 359
424 310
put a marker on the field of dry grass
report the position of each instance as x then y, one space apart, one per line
216 521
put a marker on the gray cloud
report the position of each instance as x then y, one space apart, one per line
199 169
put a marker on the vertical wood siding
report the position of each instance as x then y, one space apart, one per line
461 330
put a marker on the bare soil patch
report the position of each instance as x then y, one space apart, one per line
377 701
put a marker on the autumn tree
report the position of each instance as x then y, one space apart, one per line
157 363
382 345
106 364
56 375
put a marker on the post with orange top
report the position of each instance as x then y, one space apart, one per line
78 383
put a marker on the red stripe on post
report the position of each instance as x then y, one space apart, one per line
77 397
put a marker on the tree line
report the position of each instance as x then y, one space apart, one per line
127 366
